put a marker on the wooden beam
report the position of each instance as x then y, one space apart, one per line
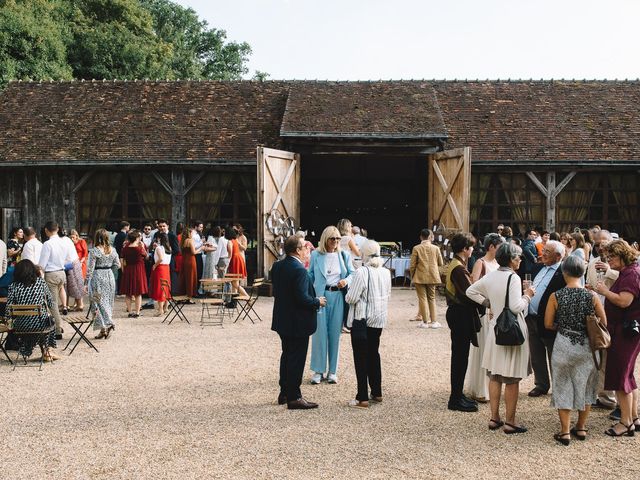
178 197
163 182
81 183
565 181
194 182
534 178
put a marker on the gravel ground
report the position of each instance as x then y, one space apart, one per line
179 401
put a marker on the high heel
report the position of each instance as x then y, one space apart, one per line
108 331
100 335
564 441
629 432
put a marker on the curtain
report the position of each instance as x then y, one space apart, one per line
96 200
573 202
624 189
205 199
156 201
525 202
249 184
478 198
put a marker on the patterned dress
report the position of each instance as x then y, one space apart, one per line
102 285
573 374
36 294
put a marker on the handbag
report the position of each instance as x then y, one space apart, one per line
507 329
599 338
631 328
359 326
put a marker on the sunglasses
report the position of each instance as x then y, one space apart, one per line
335 239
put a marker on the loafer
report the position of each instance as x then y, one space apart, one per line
536 392
375 399
461 406
358 404
301 404
282 399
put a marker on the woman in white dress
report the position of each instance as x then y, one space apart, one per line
477 380
347 242
505 364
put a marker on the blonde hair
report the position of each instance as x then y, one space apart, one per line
328 232
74 232
620 248
102 240
371 254
344 226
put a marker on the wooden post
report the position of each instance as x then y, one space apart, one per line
550 192
178 197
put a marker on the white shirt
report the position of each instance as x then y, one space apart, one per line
368 296
53 254
222 247
159 253
71 254
332 268
197 239
31 250
147 239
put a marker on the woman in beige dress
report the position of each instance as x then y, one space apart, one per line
505 364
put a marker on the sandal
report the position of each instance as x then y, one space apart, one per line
636 422
496 424
514 429
628 432
574 431
564 441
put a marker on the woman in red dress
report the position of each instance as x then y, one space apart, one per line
177 260
237 265
160 271
188 272
83 253
134 277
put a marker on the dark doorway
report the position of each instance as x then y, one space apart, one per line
385 195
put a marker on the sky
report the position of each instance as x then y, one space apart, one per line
412 39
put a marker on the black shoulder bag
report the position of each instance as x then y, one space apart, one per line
507 329
359 326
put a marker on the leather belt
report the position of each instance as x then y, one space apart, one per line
333 289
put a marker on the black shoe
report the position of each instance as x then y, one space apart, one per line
536 392
301 404
469 400
599 404
65 311
148 306
282 399
615 414
461 406
58 336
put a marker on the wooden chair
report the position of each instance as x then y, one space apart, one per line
246 303
212 304
38 336
176 304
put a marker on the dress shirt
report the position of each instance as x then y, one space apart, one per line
540 284
53 254
71 254
197 239
147 239
31 250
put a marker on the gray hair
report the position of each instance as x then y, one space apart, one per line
573 266
371 254
507 252
355 230
606 234
556 246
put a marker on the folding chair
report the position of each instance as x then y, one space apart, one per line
81 324
4 330
39 336
213 292
176 304
247 303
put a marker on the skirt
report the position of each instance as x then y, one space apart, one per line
75 281
477 383
574 378
134 280
161 272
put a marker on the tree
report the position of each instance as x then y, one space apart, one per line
32 41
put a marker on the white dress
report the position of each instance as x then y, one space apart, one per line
508 361
477 382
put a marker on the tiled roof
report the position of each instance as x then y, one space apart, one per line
139 121
543 120
361 109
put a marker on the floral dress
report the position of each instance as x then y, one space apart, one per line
102 285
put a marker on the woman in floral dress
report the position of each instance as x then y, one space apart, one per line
103 260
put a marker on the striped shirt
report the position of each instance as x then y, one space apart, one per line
368 296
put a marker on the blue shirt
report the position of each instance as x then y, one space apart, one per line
540 284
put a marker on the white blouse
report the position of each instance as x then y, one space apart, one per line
159 253
332 268
368 296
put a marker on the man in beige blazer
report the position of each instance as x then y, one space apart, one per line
425 260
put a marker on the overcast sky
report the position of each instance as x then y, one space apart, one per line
402 39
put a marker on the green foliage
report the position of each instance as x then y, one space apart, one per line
112 39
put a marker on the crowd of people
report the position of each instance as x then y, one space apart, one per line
151 262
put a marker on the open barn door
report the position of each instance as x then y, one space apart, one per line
278 203
449 187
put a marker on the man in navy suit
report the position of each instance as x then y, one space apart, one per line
294 319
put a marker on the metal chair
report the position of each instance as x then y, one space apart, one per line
176 303
247 302
213 302
81 324
38 336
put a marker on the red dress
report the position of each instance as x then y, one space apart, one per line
178 255
134 278
161 272
81 249
189 274
236 262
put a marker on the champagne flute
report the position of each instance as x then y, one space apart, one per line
527 281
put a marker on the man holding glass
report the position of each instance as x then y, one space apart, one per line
548 280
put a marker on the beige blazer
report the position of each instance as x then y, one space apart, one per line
425 260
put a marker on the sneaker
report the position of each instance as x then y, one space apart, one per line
316 379
332 378
424 325
615 414
436 325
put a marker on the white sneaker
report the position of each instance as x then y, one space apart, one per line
436 325
332 378
316 379
424 325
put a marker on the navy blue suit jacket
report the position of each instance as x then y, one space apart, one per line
295 305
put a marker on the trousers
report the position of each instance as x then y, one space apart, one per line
426 301
292 360
325 342
540 348
459 319
56 281
366 359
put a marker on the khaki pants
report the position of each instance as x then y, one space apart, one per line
426 301
56 281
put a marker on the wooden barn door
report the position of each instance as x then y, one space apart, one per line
449 186
278 189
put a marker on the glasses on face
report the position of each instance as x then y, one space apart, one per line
335 239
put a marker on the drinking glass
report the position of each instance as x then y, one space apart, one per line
527 281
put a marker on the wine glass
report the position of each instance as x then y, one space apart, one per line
526 283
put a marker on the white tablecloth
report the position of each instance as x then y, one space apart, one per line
400 264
